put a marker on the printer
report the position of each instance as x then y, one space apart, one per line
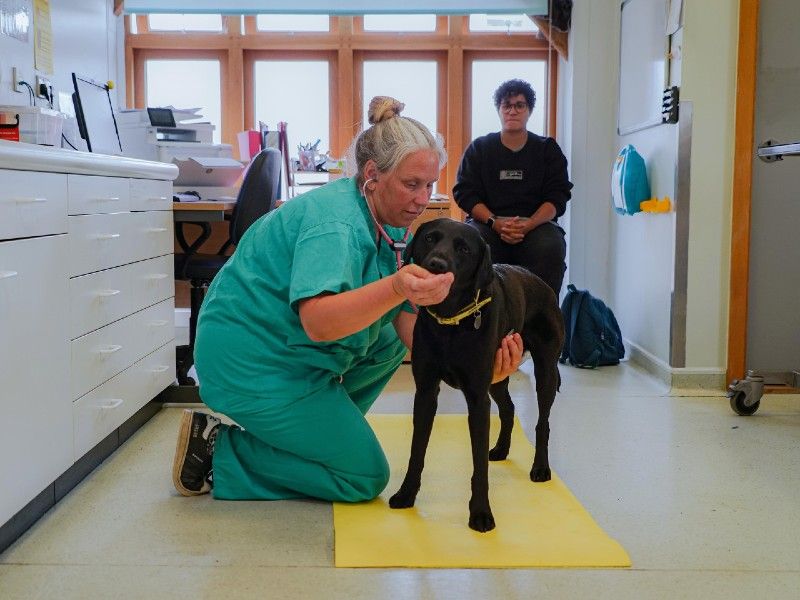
159 134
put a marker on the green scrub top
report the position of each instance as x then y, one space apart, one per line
249 336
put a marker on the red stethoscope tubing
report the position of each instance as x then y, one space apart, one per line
397 245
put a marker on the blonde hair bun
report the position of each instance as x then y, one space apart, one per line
382 108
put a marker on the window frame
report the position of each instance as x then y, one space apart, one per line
346 45
251 57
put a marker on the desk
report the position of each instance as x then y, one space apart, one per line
206 211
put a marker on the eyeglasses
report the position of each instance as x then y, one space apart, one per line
520 106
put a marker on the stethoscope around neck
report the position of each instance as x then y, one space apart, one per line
397 246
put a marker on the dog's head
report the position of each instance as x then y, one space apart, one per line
444 245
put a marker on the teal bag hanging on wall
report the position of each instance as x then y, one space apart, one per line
629 185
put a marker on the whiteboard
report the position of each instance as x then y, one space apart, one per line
643 64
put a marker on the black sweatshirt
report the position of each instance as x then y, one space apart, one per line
513 183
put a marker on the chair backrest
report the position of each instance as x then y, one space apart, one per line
258 192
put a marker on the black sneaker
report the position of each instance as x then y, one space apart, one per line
191 470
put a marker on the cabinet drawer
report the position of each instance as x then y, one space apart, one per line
152 234
100 298
105 408
34 369
155 327
149 194
32 203
154 280
99 242
91 194
101 354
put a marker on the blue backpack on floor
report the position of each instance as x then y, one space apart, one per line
593 338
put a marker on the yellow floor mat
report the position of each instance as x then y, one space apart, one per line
538 524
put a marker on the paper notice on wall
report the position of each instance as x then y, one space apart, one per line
15 19
42 37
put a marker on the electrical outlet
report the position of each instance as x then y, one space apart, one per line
15 80
42 92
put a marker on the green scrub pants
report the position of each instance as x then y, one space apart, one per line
317 446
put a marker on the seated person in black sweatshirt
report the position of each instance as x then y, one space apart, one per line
513 185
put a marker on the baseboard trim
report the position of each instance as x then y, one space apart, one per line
17 525
683 378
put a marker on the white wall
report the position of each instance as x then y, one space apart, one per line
87 39
591 81
709 80
629 261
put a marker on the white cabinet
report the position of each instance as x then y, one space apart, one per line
122 298
86 307
36 440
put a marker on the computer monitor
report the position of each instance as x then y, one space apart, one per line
95 114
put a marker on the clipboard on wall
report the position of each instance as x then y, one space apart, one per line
643 65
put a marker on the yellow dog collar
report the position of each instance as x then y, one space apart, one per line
474 308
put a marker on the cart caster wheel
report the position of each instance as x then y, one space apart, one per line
739 407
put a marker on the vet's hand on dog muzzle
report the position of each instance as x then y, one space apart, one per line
420 286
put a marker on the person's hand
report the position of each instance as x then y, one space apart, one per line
420 286
513 230
508 357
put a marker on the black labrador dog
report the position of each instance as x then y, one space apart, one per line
456 341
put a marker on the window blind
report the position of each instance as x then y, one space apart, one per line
339 7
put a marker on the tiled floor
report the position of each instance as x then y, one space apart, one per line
706 503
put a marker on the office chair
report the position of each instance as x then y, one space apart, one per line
257 196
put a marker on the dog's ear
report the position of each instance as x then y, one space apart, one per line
408 253
485 273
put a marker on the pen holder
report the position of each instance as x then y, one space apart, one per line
307 160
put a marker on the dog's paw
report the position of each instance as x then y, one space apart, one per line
402 500
481 520
498 453
540 474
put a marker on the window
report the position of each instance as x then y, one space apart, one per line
318 73
293 23
181 22
501 23
487 75
409 23
301 98
186 84
392 77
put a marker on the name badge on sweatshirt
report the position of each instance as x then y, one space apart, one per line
510 174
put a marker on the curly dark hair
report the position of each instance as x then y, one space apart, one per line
513 87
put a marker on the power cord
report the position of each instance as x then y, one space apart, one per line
30 92
63 137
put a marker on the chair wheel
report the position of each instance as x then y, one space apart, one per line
739 407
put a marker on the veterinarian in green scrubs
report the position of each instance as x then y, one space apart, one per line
305 325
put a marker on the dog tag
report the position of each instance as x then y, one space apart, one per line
478 320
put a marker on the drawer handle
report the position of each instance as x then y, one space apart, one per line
160 369
110 404
108 199
107 236
8 274
157 276
30 200
157 229
157 199
159 323
106 293
110 349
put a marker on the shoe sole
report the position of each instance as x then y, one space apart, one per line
184 431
